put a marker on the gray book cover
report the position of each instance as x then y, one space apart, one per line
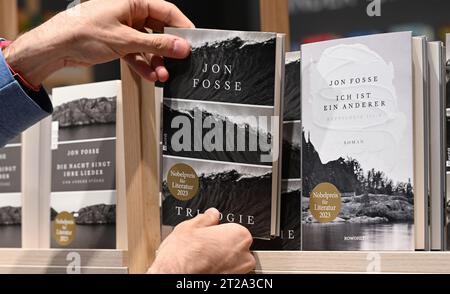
83 175
10 195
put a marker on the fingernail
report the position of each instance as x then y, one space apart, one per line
181 48
213 211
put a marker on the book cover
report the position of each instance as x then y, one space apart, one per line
221 129
10 195
83 175
290 210
357 151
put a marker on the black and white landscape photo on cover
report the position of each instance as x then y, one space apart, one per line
290 210
292 92
290 221
85 118
224 66
291 154
217 131
241 192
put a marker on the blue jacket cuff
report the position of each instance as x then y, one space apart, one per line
19 110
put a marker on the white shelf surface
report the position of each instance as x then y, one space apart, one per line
61 261
352 262
57 261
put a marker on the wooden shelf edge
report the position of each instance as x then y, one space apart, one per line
268 262
63 257
6 269
275 17
351 262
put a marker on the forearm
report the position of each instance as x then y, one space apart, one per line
38 53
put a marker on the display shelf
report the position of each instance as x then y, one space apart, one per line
61 261
58 261
273 17
141 172
60 270
352 262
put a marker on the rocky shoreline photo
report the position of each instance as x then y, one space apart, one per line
10 215
99 214
369 209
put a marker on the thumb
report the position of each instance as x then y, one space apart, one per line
159 44
211 217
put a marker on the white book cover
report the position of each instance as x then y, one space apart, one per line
83 171
357 153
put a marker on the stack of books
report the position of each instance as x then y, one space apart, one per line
360 147
342 146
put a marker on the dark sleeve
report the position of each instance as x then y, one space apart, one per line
20 108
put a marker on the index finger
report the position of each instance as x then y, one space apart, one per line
167 13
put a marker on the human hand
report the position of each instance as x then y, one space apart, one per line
202 246
99 31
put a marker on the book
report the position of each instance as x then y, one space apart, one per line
36 181
436 56
447 162
83 169
221 129
10 195
357 151
421 138
291 163
447 138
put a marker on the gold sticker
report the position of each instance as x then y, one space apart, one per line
64 228
183 182
325 202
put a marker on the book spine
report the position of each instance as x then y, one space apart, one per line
36 175
443 98
437 141
426 114
121 200
45 175
447 142
279 94
421 137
